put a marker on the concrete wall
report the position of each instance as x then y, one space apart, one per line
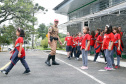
74 28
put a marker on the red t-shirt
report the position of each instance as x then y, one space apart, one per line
79 41
92 41
17 46
116 38
100 39
74 43
108 38
121 33
97 45
69 40
86 38
96 35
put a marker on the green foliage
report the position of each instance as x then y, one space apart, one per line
13 9
8 34
58 44
44 43
42 30
62 35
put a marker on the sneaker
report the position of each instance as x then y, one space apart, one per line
69 58
95 61
117 67
77 59
105 63
26 72
113 65
84 67
101 56
109 68
4 72
105 67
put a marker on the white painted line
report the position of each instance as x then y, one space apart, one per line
85 73
102 70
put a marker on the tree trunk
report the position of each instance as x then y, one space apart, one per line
33 33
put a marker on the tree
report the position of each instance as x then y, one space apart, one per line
36 8
42 30
11 9
22 13
8 34
4 36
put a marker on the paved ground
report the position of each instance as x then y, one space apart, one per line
67 73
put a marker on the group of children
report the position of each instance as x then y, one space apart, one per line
104 42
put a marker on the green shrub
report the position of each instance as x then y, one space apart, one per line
44 43
58 44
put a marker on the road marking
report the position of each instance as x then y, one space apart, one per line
5 66
85 73
102 70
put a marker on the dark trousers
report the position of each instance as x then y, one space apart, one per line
73 51
15 59
96 56
78 51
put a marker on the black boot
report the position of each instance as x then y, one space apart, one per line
48 60
53 61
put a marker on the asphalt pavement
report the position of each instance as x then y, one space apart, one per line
68 72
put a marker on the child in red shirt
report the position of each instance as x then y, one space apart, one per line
121 34
92 41
78 42
108 46
73 46
18 53
97 33
117 47
85 47
98 45
68 41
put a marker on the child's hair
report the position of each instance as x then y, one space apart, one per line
87 28
101 31
22 34
109 29
98 29
116 28
93 34
77 34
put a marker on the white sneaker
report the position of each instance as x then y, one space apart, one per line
101 56
77 59
84 67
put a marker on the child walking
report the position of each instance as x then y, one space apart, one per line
108 46
18 53
85 47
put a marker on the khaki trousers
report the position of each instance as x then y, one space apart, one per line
53 46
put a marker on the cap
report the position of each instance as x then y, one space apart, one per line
56 20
